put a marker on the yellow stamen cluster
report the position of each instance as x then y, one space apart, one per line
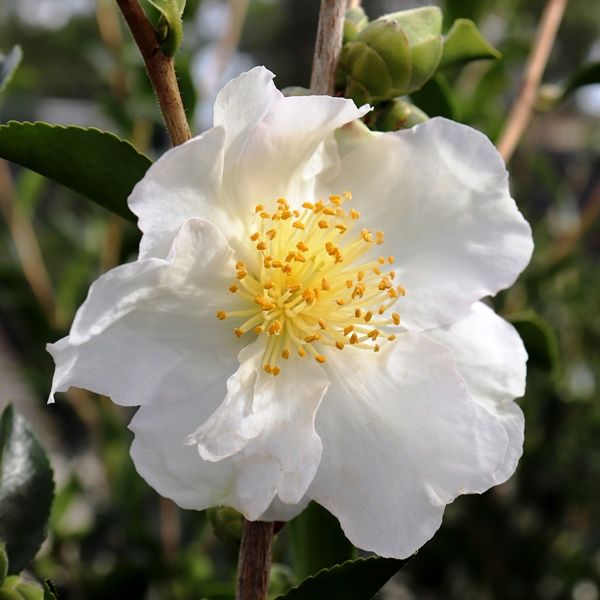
309 287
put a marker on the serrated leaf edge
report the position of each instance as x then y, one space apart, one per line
333 568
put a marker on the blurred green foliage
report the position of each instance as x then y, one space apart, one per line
537 536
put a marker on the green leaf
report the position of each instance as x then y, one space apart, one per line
94 163
464 43
437 99
49 590
317 541
26 489
170 24
358 579
8 65
585 75
540 340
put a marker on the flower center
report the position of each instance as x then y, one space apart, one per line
311 286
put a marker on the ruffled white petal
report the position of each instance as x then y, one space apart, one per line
275 145
172 468
183 183
279 511
401 437
491 357
147 331
266 424
236 420
440 193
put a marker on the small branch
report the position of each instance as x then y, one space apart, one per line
161 70
520 113
327 46
26 245
254 561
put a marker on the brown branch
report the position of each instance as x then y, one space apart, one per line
26 245
254 561
327 46
161 70
520 114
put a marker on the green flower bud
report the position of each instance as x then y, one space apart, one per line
295 90
398 114
29 591
227 523
9 594
355 21
392 56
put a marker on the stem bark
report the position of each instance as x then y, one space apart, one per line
520 114
254 561
327 46
161 70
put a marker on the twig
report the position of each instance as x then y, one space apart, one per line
254 561
588 216
161 70
520 113
26 246
327 46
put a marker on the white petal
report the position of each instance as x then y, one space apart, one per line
280 511
492 359
173 469
402 437
184 183
275 145
236 420
283 459
266 424
147 330
440 193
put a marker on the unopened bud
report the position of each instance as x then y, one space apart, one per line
392 56
354 22
227 523
398 114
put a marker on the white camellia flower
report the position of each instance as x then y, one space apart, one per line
304 319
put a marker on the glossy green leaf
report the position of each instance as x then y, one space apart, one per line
540 340
317 541
464 43
8 65
49 590
170 24
94 163
358 579
585 75
437 99
26 490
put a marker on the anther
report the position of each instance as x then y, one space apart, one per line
298 225
396 318
320 358
339 345
255 236
233 288
221 315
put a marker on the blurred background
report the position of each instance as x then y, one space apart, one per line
537 536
